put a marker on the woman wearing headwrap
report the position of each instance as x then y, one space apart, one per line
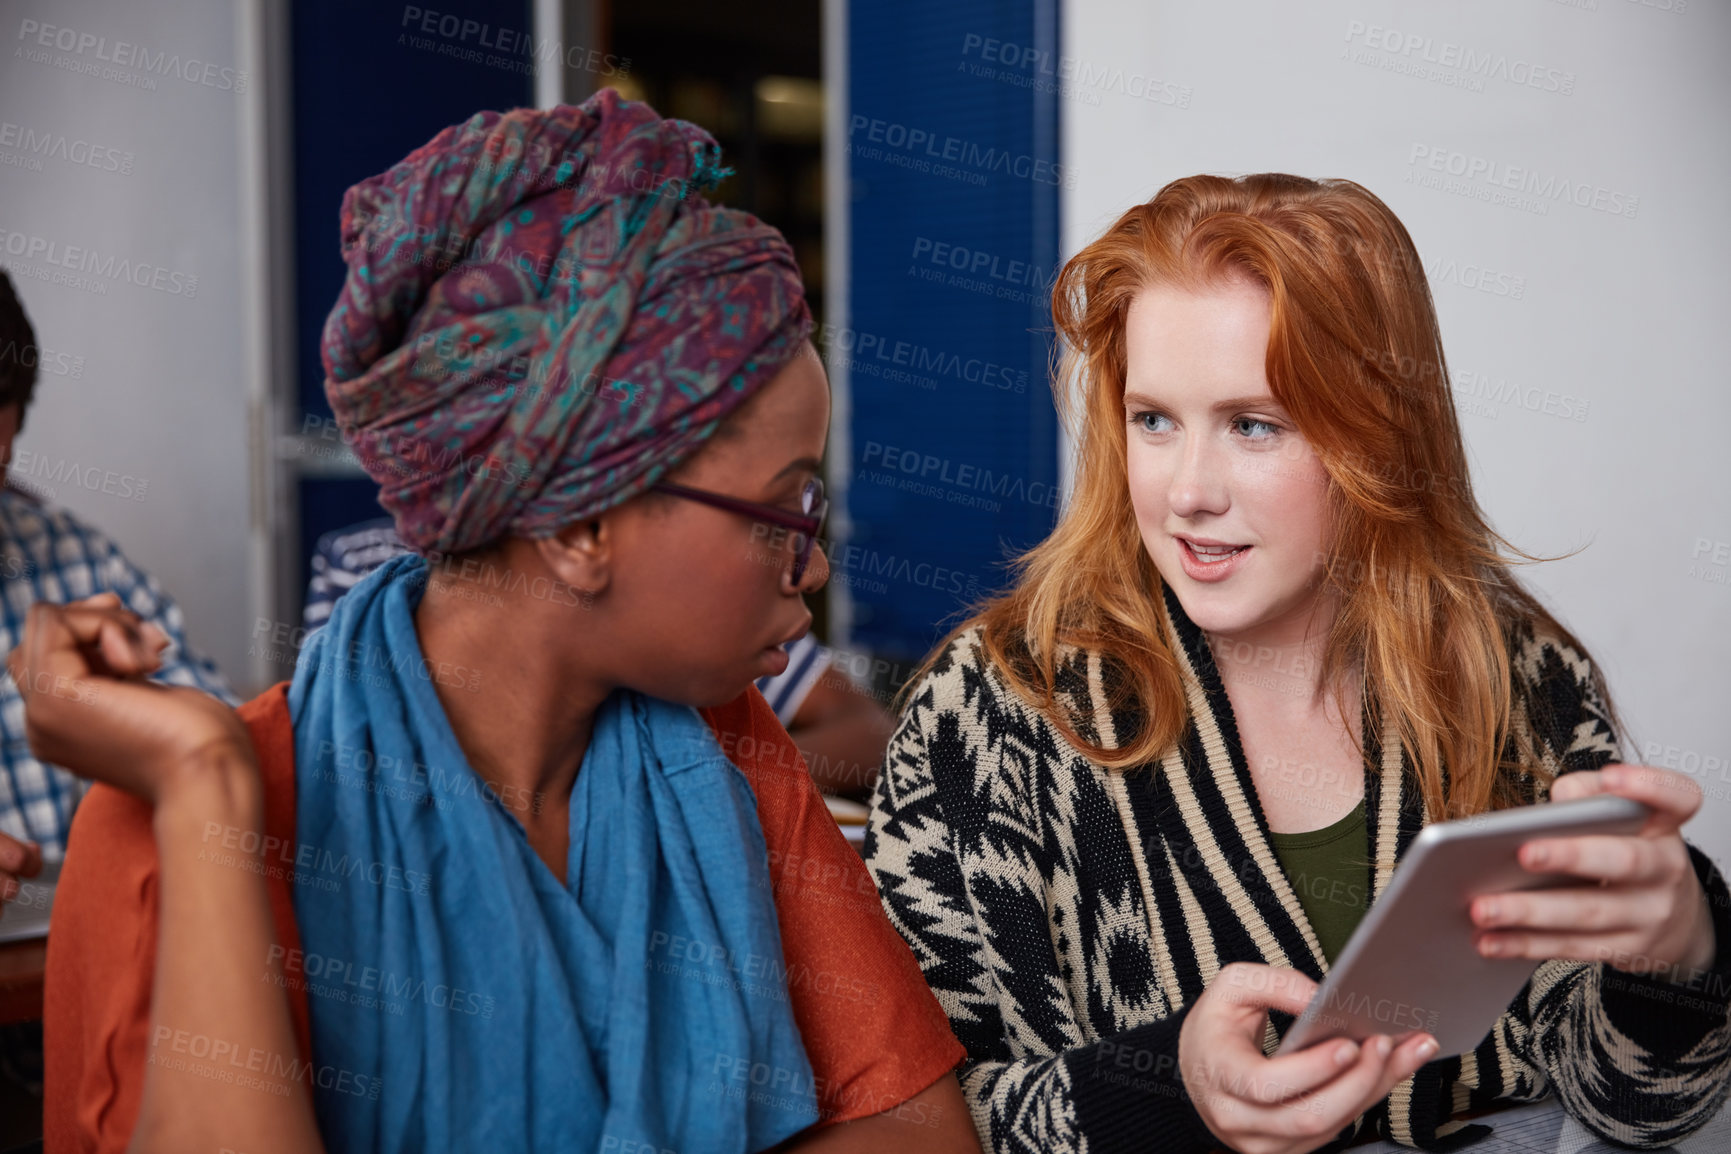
519 860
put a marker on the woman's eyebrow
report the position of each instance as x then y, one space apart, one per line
1258 401
807 464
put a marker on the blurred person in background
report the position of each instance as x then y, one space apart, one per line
836 724
588 899
47 554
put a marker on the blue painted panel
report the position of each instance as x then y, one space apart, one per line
955 178
371 83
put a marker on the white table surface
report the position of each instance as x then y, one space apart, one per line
1543 1128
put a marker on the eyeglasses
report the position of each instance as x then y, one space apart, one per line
804 525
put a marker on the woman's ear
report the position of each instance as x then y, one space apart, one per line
582 554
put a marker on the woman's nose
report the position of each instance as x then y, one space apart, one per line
1198 483
816 573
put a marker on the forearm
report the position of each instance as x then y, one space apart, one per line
1107 1097
843 752
843 734
1636 1058
224 1069
934 1121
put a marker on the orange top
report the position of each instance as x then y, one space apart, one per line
874 1033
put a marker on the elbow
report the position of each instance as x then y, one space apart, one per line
1650 1133
934 1121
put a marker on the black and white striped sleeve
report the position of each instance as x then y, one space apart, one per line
1031 1083
1637 1059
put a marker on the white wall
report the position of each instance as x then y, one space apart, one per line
1624 313
161 397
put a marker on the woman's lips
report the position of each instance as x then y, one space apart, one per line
776 658
1210 563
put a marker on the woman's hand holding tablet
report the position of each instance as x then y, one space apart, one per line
1600 874
1290 1103
1637 905
1640 907
1414 962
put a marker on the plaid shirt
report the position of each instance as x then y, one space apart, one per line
48 555
341 559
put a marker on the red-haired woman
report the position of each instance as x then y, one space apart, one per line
1136 804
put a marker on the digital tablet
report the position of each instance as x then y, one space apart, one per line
1411 966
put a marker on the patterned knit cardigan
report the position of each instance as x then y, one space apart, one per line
1067 916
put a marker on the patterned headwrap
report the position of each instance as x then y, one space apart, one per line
542 317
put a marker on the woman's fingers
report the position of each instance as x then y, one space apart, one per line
55 636
23 858
1241 995
1320 1111
18 860
1245 1074
1311 1068
1595 910
48 658
1592 923
1293 1102
1343 1095
1646 912
125 644
1604 857
1382 1065
125 648
1539 945
1406 1060
79 670
1252 989
1575 786
65 645
1674 797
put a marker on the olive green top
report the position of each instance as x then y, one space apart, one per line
1329 869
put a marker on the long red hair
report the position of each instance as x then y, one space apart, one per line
1427 600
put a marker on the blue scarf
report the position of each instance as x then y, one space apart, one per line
461 997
